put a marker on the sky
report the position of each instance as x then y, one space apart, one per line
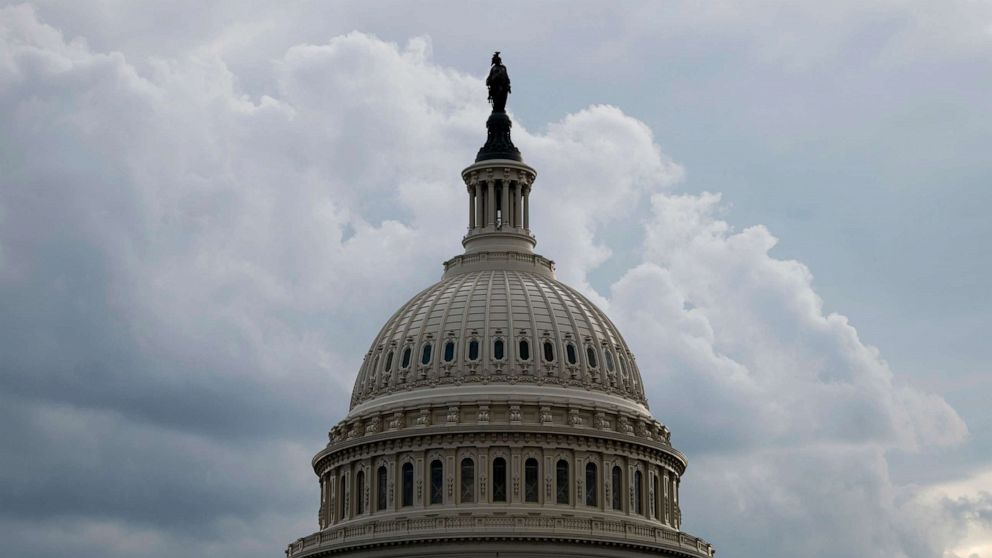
207 210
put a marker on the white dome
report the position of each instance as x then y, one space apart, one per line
487 330
499 411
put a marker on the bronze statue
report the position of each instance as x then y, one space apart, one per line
498 83
498 143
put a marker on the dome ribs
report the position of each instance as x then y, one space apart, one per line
511 347
418 342
486 333
498 303
534 343
635 375
554 325
465 315
576 303
575 328
381 343
443 326
407 324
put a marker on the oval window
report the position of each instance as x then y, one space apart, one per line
389 361
425 354
524 350
406 358
570 354
498 349
549 351
609 360
473 350
449 351
591 357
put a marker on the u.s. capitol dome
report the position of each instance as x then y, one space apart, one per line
499 411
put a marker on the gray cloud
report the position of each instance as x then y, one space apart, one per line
789 416
191 268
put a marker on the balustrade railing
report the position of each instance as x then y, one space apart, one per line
483 526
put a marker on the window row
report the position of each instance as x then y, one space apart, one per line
472 353
499 492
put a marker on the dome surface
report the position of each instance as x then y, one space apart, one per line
492 329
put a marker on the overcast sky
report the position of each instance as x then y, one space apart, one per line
207 212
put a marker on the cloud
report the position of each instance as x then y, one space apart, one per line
190 274
786 415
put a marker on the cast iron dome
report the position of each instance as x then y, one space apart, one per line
499 410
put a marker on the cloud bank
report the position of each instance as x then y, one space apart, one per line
189 276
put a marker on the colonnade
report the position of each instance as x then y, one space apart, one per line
402 482
495 204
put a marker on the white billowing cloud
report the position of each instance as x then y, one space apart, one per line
787 413
190 277
592 167
762 314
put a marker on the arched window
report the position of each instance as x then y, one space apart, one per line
341 498
524 350
570 354
530 480
498 349
406 357
499 480
407 484
608 356
591 356
389 361
617 492
638 485
437 482
591 484
473 350
360 493
561 482
549 351
468 480
449 351
380 488
425 354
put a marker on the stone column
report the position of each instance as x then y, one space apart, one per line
577 482
652 510
482 480
332 499
515 482
348 497
631 488
480 204
471 206
527 208
420 482
322 514
671 501
504 204
516 204
491 204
